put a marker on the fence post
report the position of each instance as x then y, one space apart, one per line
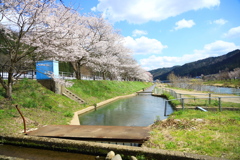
182 99
219 104
165 110
209 101
95 106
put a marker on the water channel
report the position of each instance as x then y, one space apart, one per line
224 90
140 110
40 154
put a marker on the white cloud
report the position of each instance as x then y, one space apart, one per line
94 9
220 21
233 32
144 45
154 61
216 48
141 11
137 32
184 24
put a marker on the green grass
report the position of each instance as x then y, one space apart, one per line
42 107
170 97
216 134
96 91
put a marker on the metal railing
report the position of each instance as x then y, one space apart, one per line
209 99
31 74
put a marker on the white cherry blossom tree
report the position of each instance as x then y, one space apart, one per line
44 29
31 28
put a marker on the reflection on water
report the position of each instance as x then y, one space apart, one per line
223 90
141 110
41 154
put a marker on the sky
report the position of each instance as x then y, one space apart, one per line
165 33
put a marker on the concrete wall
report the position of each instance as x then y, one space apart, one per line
75 119
51 85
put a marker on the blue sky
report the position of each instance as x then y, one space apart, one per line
174 32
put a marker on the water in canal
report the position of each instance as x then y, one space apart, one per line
40 154
223 90
141 110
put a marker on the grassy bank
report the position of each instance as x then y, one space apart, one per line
207 133
41 106
97 91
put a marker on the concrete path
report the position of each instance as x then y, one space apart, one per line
150 89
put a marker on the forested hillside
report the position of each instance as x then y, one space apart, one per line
206 66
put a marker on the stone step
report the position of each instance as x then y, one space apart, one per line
72 96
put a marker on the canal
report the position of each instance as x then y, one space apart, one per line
222 90
40 154
140 110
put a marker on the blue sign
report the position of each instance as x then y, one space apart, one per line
47 68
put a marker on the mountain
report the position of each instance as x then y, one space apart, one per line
211 65
161 71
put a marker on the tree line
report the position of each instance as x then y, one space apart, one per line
33 30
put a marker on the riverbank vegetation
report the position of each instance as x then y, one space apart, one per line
207 133
41 106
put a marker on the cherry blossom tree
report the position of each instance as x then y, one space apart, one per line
31 28
44 29
107 56
92 35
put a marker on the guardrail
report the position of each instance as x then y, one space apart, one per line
182 100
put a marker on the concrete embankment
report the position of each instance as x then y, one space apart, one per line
98 149
75 119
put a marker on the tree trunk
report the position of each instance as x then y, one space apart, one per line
103 75
9 84
9 91
77 69
78 74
